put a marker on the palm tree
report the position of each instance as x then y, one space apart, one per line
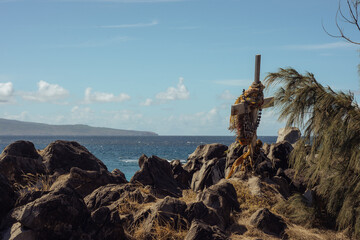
328 155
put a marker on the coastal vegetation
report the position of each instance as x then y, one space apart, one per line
328 155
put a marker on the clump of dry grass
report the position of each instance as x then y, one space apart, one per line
297 211
249 202
173 228
33 183
188 196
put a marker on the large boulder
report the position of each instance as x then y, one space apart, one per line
222 198
297 181
60 156
157 173
290 134
106 224
268 222
279 154
87 181
204 153
198 211
181 176
211 172
7 197
57 215
234 152
18 159
201 231
112 195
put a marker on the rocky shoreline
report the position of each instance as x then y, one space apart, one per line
65 192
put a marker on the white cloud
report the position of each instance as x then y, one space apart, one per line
234 82
147 102
134 25
47 93
6 91
334 45
91 97
174 93
226 95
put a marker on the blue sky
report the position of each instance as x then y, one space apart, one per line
169 66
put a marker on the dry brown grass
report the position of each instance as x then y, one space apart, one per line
249 202
188 196
33 183
161 229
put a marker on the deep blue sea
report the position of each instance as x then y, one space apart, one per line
123 152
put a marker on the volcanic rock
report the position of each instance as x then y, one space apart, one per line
222 198
268 222
157 173
290 134
87 181
204 153
60 156
20 158
202 231
211 172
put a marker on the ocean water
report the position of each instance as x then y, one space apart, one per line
123 152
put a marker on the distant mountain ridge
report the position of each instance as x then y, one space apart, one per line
18 128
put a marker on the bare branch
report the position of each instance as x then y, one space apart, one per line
352 19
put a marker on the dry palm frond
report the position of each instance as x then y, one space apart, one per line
331 122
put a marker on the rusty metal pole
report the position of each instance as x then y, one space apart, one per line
257 68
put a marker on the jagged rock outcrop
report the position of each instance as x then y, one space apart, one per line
20 158
198 211
290 134
279 154
181 176
268 222
235 150
211 172
7 197
60 156
157 173
204 153
112 195
59 214
222 198
201 231
86 182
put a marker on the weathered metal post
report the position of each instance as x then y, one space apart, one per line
257 68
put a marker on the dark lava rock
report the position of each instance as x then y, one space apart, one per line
157 173
290 134
56 215
202 231
279 154
181 176
284 188
107 195
222 198
7 197
87 181
107 225
234 152
29 197
20 158
268 222
204 153
297 182
211 172
60 156
200 212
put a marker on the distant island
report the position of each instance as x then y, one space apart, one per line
20 128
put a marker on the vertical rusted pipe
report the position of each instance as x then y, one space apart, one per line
257 68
